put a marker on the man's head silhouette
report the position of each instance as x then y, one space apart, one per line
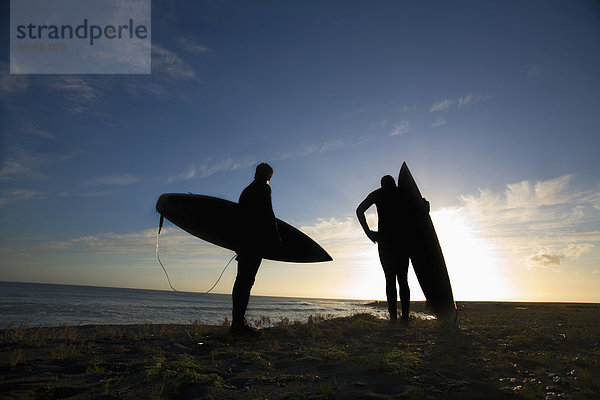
387 182
263 173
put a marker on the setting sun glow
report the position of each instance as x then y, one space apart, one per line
473 264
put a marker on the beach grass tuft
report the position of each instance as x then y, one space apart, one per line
395 361
15 357
331 352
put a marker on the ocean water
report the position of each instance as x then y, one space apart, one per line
45 304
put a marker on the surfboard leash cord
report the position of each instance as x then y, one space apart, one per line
222 272
160 225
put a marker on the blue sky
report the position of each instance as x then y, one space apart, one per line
493 105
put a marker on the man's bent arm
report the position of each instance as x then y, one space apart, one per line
360 214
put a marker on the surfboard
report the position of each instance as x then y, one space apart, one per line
218 221
426 253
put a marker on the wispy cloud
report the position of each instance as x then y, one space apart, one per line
25 164
113 180
18 194
330 145
81 92
191 46
77 88
141 88
442 105
11 84
169 63
400 129
546 257
546 222
464 100
20 164
542 202
438 122
32 129
168 68
210 167
461 102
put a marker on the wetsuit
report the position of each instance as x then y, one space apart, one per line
394 241
259 230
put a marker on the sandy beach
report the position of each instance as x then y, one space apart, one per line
497 350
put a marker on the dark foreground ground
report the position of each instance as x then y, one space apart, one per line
497 351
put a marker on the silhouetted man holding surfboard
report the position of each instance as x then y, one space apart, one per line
259 232
394 240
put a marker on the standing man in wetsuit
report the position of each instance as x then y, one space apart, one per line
259 230
394 241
